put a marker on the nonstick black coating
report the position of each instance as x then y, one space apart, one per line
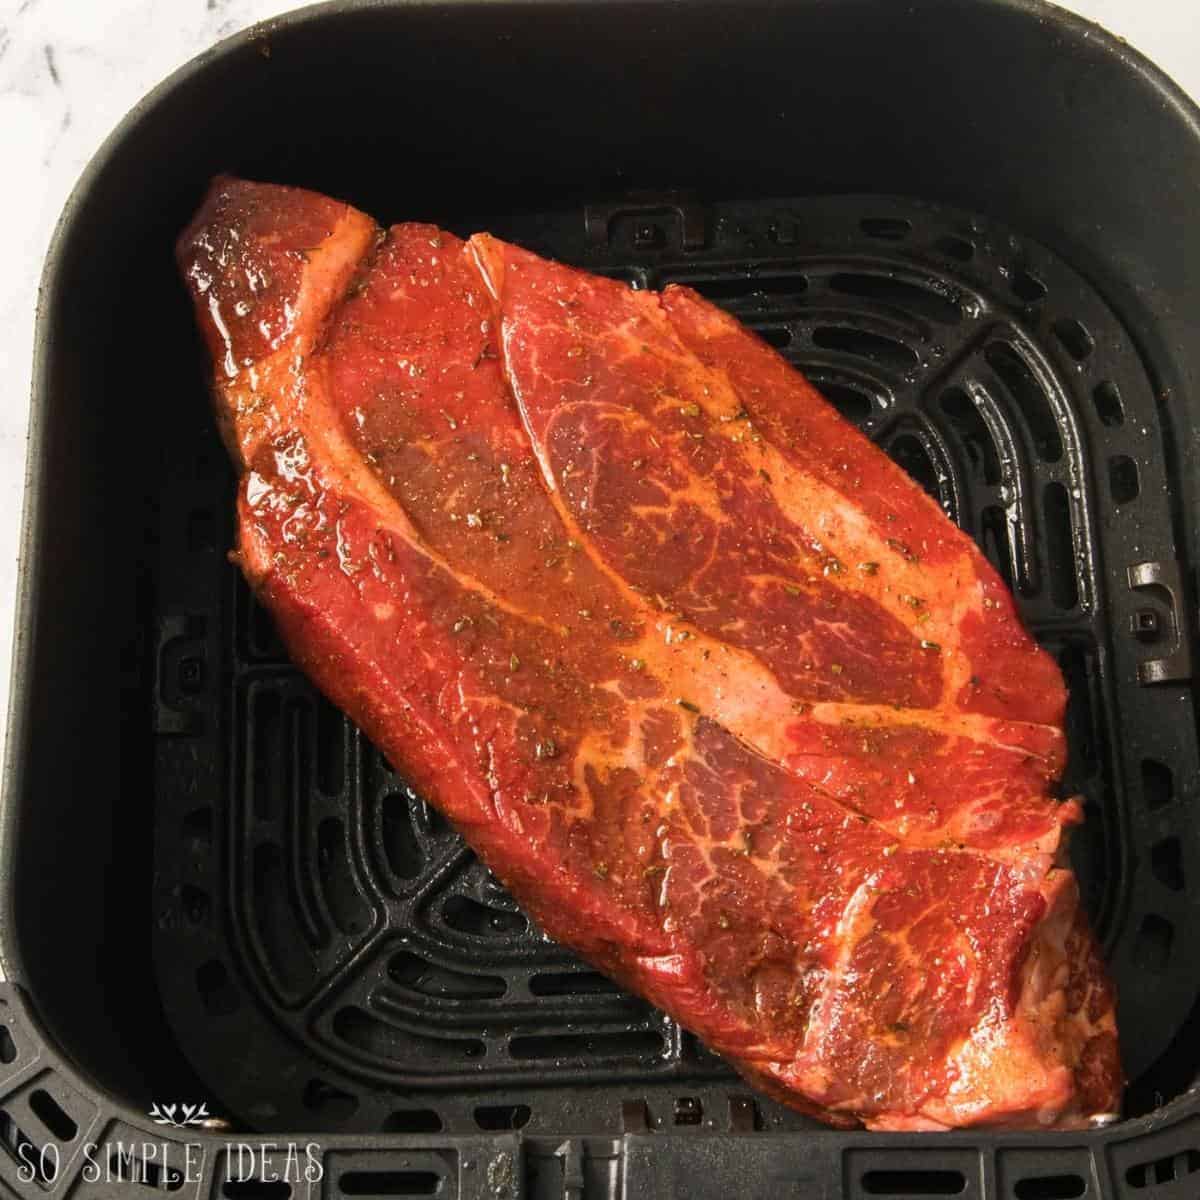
464 113
349 944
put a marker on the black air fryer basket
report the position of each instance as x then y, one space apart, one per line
973 224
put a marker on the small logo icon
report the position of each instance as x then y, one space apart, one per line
179 1115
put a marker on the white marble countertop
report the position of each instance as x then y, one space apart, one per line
70 69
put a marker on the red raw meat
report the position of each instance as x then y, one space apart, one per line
706 680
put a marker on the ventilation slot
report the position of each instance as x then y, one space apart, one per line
469 916
279 932
266 752
910 298
914 1183
573 983
1152 949
688 1110
1074 338
44 1161
996 544
415 973
955 247
1158 784
194 903
581 1045
197 831
262 637
389 1183
1027 287
412 1120
778 336
328 1102
400 848
1051 1187
1030 399
976 438
52 1114
497 1117
888 229
430 821
1123 478
1093 842
885 351
629 275
298 791
1083 758
1108 404
217 993
371 1036
256 1189
744 1115
349 910
1166 861
128 1167
747 287
331 748
853 404
1164 1170
8 1048
1060 547
908 453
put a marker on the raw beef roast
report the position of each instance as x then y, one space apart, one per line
706 680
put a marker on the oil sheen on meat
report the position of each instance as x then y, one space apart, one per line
716 691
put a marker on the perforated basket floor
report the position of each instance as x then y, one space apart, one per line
329 953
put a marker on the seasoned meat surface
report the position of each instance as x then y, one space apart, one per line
714 688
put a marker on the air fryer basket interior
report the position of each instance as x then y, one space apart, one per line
1038 279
